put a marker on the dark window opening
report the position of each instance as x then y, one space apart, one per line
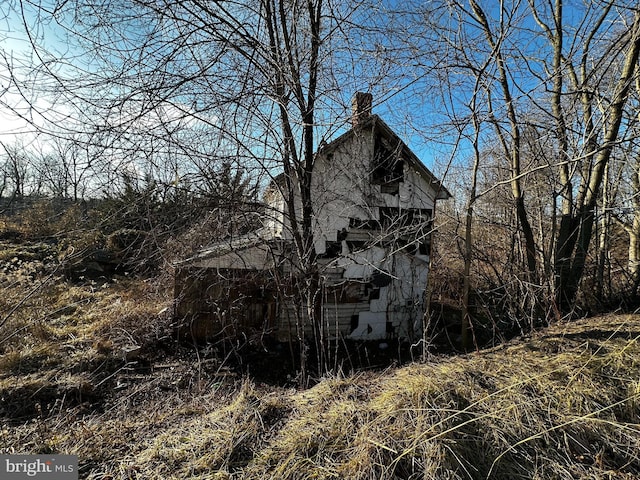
409 217
381 279
392 188
374 294
355 321
388 167
355 245
409 247
333 249
415 222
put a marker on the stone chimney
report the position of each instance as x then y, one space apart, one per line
361 108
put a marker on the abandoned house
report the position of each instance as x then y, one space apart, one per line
373 204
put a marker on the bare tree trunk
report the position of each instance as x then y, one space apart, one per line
634 232
512 148
576 228
468 245
471 200
634 254
603 247
299 170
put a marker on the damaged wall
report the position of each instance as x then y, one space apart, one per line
214 303
373 202
372 230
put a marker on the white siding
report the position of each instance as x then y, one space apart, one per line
342 190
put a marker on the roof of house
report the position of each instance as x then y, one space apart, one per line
378 124
259 237
236 249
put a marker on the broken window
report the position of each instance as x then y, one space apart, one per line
388 167
424 248
381 279
414 221
332 249
356 245
394 217
355 321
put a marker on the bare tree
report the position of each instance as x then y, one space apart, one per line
620 205
16 169
565 83
599 135
182 86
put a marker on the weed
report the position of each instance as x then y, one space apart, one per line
82 372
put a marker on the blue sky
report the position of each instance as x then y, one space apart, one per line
408 102
16 47
18 120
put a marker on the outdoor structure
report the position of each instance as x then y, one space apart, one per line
373 203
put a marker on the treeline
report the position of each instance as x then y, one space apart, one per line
503 298
142 227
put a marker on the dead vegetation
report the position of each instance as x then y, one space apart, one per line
91 369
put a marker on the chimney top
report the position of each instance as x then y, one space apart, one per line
361 108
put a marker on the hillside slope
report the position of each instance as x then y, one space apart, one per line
564 403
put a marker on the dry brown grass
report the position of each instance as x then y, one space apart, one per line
61 342
511 413
564 403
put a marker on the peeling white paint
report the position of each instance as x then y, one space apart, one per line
374 261
371 326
